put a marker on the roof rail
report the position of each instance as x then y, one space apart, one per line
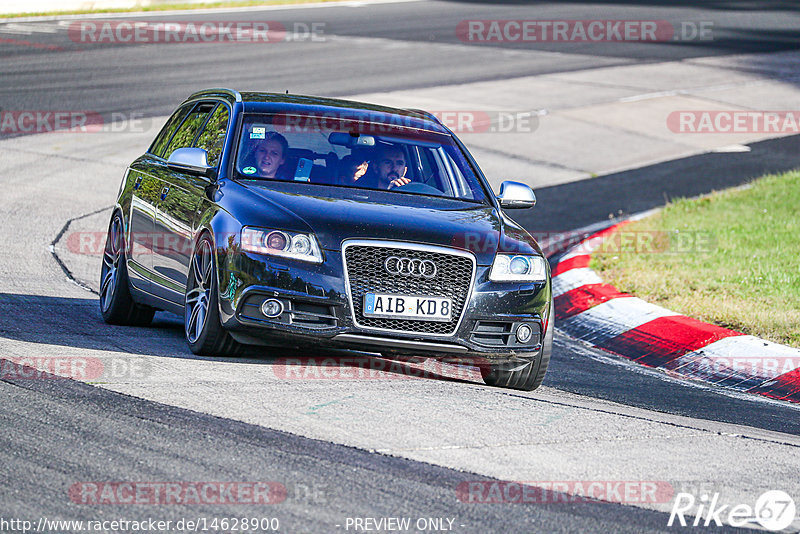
217 90
427 114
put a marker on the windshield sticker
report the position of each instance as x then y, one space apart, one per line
258 132
249 170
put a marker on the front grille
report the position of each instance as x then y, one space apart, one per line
367 274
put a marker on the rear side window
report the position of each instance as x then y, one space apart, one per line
186 133
212 138
168 130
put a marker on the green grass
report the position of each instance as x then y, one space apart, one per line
744 270
168 7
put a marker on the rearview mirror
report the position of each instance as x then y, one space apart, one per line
351 140
516 195
191 160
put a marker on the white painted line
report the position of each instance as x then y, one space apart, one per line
649 96
573 278
644 214
727 149
16 29
43 28
612 318
244 9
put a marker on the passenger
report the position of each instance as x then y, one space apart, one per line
270 155
390 168
351 168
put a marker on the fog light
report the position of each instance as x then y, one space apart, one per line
524 333
272 308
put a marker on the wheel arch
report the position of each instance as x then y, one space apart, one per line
219 225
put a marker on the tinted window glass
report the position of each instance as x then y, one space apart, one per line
185 135
166 132
212 138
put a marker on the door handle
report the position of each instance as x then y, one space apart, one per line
138 183
164 192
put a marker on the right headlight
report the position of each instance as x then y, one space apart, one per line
299 246
518 268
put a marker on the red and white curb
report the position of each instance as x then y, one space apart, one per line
597 313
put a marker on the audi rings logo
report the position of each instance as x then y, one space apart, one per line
410 267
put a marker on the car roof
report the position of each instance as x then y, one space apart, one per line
264 102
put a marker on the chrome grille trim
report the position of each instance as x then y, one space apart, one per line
410 247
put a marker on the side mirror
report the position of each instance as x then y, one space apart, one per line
191 160
516 195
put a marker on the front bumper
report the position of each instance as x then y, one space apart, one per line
317 312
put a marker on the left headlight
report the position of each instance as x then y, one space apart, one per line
518 268
303 247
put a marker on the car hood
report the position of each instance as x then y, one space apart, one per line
334 214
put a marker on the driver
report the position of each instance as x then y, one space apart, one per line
391 168
270 154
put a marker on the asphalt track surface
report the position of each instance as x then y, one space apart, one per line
57 432
368 49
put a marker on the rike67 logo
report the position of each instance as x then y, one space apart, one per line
774 510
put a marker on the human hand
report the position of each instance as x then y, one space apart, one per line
361 170
397 182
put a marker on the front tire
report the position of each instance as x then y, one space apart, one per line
202 327
530 377
116 303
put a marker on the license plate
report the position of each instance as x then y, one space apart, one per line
421 308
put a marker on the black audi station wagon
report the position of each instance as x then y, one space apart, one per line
283 220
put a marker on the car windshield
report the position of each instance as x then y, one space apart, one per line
354 153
